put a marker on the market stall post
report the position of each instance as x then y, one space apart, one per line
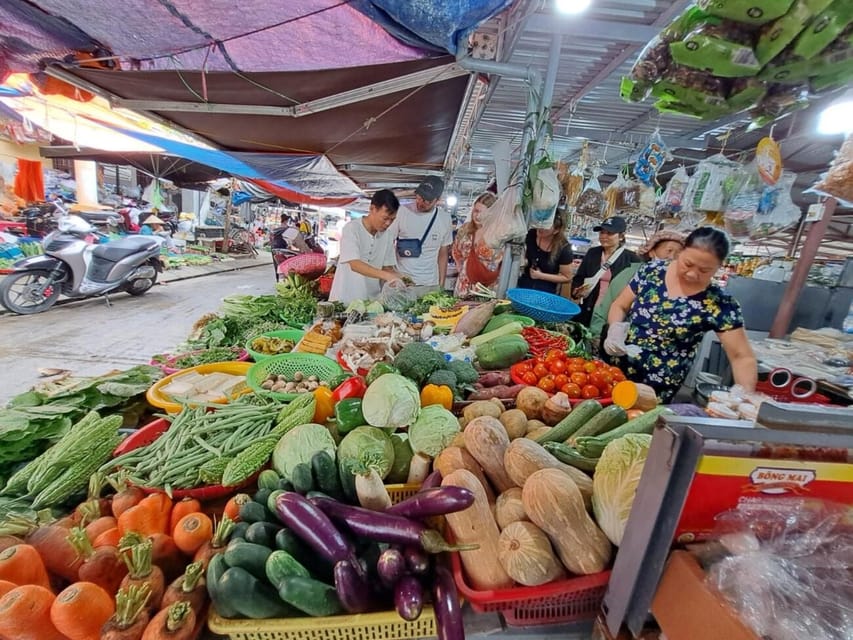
780 325
228 209
86 177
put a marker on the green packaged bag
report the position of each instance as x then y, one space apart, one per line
745 94
779 101
753 12
787 69
699 90
825 28
634 90
776 35
721 47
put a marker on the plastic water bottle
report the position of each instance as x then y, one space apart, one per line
848 321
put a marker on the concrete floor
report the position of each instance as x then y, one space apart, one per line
90 338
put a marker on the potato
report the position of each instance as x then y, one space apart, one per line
515 423
498 402
462 422
541 431
533 425
482 408
458 441
531 400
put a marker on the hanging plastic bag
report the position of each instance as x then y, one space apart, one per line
777 210
573 185
708 184
611 195
838 181
671 203
505 222
396 296
591 200
740 216
651 159
546 195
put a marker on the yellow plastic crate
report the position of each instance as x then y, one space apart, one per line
382 625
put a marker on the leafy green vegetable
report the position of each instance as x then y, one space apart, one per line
422 304
402 459
299 445
433 430
366 448
417 361
465 371
391 402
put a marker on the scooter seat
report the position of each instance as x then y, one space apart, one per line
118 249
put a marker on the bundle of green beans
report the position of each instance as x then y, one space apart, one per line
195 439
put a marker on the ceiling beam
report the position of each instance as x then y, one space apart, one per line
593 29
375 168
385 87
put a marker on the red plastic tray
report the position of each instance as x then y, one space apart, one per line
148 434
569 600
783 395
517 380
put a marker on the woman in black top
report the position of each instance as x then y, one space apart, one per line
549 258
611 236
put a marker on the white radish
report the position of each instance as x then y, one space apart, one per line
371 491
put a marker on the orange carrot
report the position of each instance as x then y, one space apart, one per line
60 559
22 564
182 508
189 587
131 616
177 623
80 611
193 530
102 566
141 571
25 614
97 527
125 499
166 555
161 505
108 538
148 517
217 543
6 587
232 507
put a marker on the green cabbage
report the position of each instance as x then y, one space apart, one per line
433 430
299 445
366 448
390 402
614 483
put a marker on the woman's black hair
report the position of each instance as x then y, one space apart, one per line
711 240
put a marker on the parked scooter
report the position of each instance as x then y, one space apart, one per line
71 265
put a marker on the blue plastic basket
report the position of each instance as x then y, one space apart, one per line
541 306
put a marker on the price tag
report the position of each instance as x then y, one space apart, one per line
768 158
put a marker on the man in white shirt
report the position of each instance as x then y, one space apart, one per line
425 222
367 252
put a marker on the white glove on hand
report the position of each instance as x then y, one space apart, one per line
614 343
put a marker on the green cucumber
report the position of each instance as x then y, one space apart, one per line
347 483
310 596
285 485
249 556
253 511
280 565
326 475
262 533
501 352
602 422
567 454
271 500
268 479
565 428
239 531
262 495
592 447
286 540
302 478
216 567
251 597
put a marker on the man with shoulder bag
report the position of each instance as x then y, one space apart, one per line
424 235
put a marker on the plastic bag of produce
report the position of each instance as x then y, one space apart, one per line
753 12
396 296
591 201
838 181
721 47
775 36
671 202
505 222
825 28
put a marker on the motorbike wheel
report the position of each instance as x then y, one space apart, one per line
141 286
19 292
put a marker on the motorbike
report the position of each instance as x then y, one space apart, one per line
73 266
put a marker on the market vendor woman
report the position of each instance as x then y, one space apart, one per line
666 310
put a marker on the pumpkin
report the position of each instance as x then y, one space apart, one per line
526 555
554 503
523 457
509 508
486 440
476 525
454 458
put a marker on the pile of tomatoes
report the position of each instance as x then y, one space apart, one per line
578 378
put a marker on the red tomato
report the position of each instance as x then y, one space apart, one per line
572 390
540 370
590 391
523 367
600 364
589 367
579 378
555 354
546 384
530 378
597 378
560 380
606 390
557 366
617 377
575 368
575 360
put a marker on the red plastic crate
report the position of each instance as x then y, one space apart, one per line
569 600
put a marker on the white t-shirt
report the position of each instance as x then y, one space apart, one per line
357 244
412 224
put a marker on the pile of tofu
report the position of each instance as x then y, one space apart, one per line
203 387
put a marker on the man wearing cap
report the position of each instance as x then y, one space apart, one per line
424 235
600 265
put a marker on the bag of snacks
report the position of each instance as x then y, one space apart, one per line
699 90
721 47
573 185
775 36
591 200
743 208
825 28
708 190
671 202
838 181
651 159
753 12
780 100
777 210
655 58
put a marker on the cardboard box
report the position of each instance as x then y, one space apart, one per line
686 608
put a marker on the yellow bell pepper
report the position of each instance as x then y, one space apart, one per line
437 394
324 407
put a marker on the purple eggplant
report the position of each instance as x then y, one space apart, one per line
409 598
314 527
431 481
417 561
385 527
448 611
437 501
353 591
391 566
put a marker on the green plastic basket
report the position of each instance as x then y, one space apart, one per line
287 364
286 334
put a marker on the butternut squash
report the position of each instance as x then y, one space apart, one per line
509 508
526 555
523 457
554 503
486 440
454 458
476 525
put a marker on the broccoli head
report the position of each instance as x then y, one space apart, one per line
417 361
465 372
443 377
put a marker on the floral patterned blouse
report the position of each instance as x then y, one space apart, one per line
669 330
465 249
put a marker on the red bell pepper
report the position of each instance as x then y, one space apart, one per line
350 388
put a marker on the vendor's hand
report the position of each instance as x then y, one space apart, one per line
535 273
614 343
581 292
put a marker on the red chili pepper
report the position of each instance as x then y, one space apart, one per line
353 387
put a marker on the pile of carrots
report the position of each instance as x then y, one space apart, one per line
126 568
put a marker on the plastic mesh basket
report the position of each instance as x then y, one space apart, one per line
308 265
285 334
309 364
541 306
157 398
